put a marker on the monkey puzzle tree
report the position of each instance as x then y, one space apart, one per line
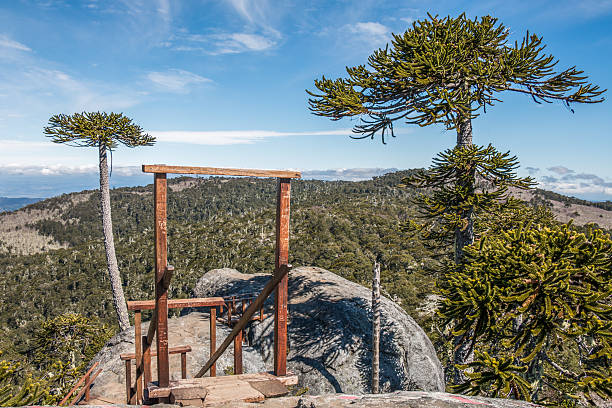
447 70
104 131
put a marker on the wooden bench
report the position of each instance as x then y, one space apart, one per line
128 357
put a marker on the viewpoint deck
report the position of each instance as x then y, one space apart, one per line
206 391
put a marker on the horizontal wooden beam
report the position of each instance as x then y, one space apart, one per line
216 171
171 350
176 303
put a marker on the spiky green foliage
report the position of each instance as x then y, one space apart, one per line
538 301
90 129
461 184
63 346
446 70
13 394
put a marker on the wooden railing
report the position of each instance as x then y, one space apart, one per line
236 332
143 344
88 379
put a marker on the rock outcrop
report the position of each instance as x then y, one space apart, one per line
192 330
330 333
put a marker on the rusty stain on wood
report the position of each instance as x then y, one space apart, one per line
216 171
283 202
161 262
176 303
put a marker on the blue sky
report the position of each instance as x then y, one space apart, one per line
221 83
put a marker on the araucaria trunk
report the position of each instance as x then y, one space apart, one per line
109 244
464 236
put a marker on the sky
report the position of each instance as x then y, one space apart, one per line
222 83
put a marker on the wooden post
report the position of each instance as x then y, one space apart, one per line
128 381
87 378
375 327
283 201
146 360
238 353
138 354
213 338
161 294
183 365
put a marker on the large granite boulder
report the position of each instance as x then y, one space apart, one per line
330 333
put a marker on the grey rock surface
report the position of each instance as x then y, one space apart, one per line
192 330
330 333
399 399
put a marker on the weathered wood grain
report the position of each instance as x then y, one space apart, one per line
216 171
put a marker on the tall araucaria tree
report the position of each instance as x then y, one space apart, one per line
104 131
447 70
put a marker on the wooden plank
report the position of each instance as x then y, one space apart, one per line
188 393
146 360
183 365
246 317
171 350
85 378
216 171
176 303
238 353
270 388
161 262
213 338
85 387
283 200
204 382
138 355
128 381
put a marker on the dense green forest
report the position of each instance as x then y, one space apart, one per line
216 222
212 223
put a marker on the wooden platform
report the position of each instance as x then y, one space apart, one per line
206 391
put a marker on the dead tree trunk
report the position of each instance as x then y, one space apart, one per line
375 328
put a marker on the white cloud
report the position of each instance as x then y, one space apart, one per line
241 42
355 174
372 33
561 170
566 181
231 137
64 170
176 80
6 42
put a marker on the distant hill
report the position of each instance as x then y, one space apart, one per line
52 256
11 204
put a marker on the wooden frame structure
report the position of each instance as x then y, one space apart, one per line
163 271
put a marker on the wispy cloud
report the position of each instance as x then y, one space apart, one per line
355 174
64 170
561 170
256 35
176 80
231 137
373 33
567 181
6 42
